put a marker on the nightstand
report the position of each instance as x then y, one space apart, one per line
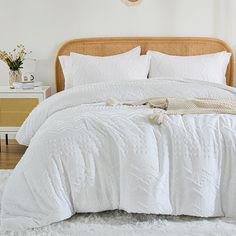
15 106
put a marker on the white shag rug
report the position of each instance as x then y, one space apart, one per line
116 223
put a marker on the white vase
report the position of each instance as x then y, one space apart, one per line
14 76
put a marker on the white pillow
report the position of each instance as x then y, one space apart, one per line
209 67
93 70
66 62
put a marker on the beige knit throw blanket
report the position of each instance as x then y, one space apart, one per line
180 106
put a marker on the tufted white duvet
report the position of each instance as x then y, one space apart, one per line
86 157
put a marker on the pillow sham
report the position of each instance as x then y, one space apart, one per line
66 62
209 67
94 70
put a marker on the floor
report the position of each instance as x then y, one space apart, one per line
10 154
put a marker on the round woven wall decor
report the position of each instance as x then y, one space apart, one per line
132 2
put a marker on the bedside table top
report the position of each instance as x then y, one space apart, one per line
7 89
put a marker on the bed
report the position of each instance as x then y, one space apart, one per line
86 156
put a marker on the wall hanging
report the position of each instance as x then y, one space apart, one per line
132 2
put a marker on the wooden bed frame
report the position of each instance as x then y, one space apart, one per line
170 45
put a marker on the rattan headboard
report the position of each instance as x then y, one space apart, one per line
170 45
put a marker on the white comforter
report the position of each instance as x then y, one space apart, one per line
86 157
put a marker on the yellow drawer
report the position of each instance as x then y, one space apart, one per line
13 111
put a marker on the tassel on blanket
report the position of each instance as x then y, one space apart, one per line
112 102
157 117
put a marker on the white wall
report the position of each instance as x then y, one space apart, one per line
44 24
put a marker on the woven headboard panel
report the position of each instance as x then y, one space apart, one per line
170 45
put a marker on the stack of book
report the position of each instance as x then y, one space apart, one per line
26 85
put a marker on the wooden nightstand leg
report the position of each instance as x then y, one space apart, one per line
6 136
